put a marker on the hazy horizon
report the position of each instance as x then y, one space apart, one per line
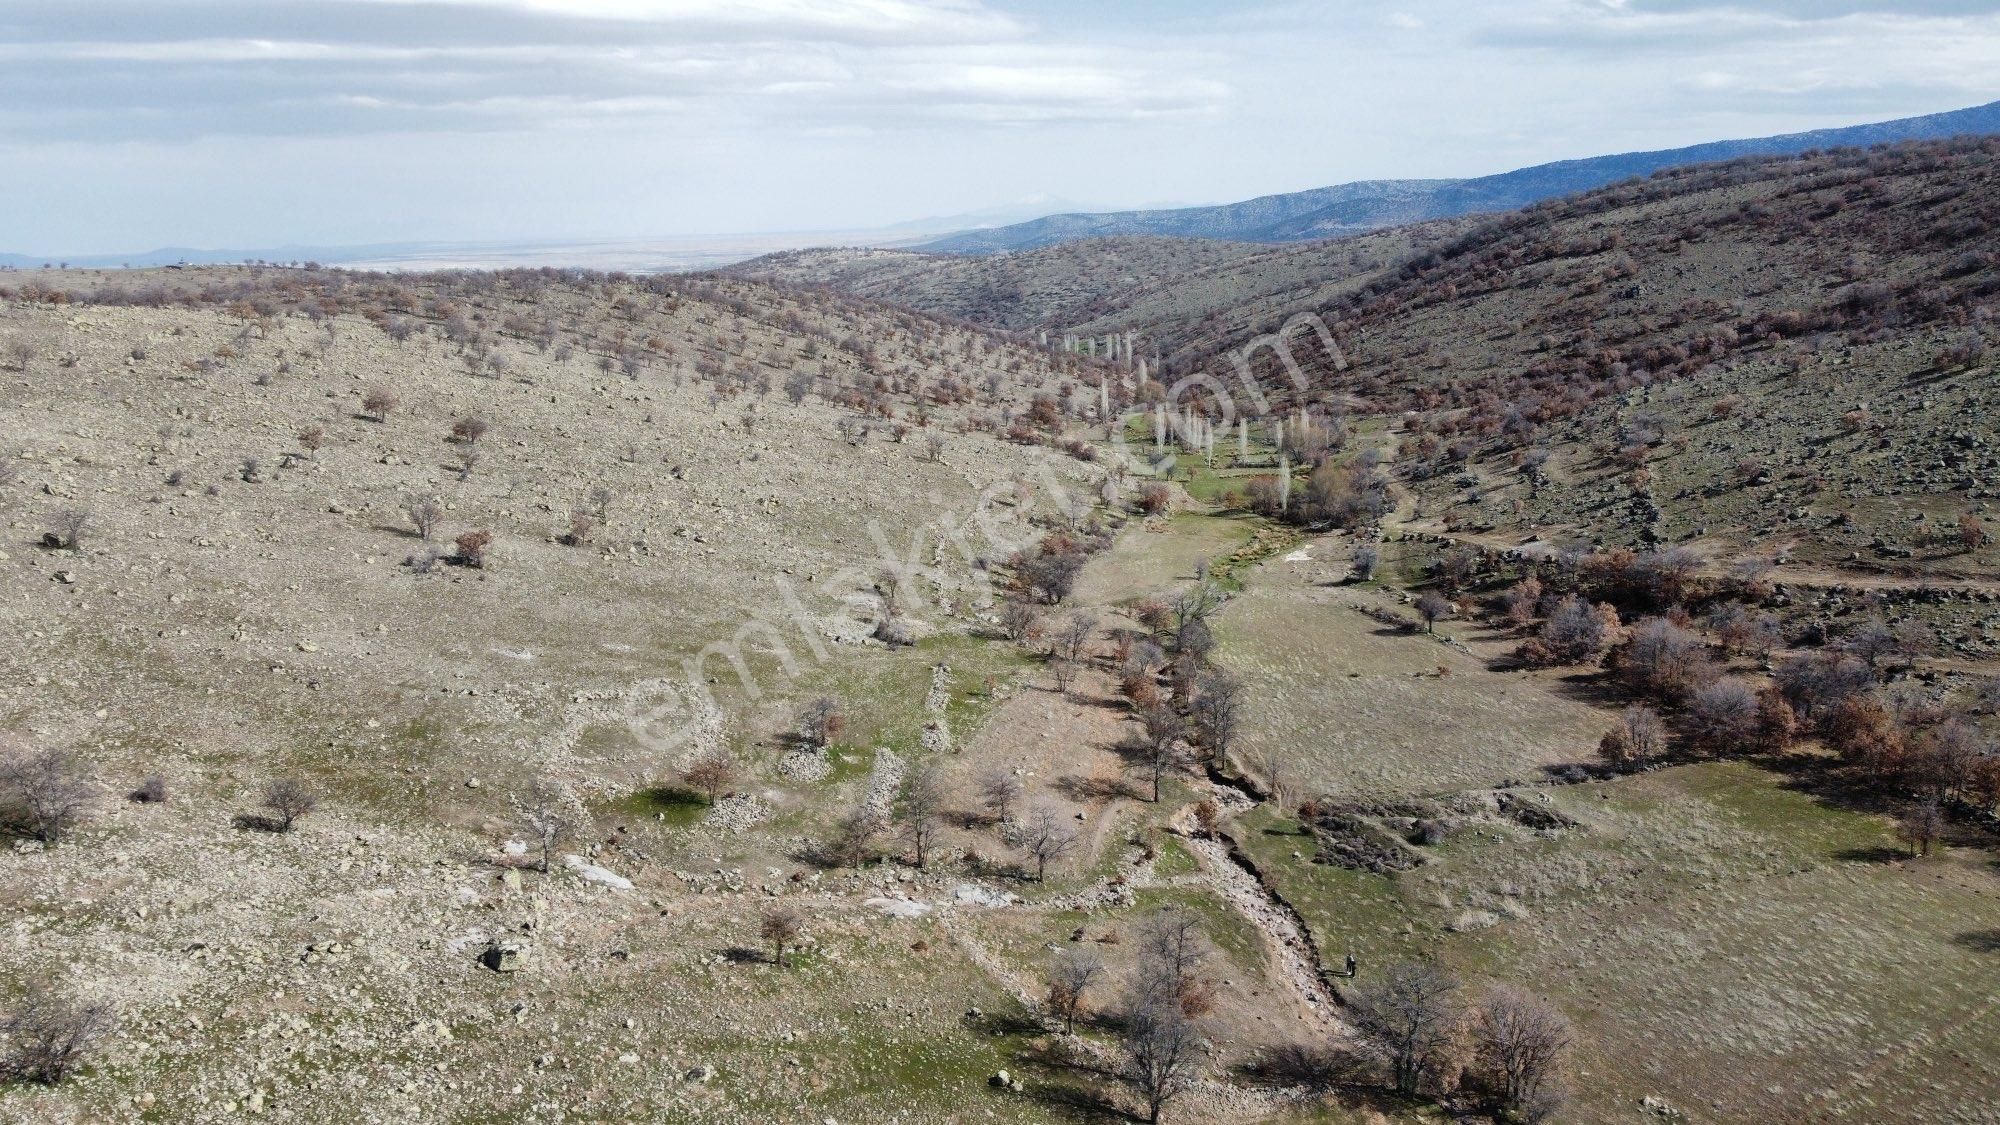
233 124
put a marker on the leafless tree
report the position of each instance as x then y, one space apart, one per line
47 1037
1063 672
1366 559
1433 607
1522 601
1072 975
20 352
44 791
425 515
1576 632
1523 1045
1158 749
1920 825
1020 620
1217 712
1191 610
712 774
1162 1049
469 429
1663 659
1000 789
821 722
1639 738
1723 715
288 799
379 402
1046 838
1277 769
549 814
1414 1017
312 439
1072 640
920 810
72 526
782 927
853 839
1162 1043
1870 642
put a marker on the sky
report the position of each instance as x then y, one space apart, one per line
132 124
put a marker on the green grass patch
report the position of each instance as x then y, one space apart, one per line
678 807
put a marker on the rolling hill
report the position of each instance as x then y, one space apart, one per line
1347 209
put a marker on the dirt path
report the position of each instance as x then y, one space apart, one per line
1062 745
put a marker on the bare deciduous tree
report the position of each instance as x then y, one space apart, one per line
1020 620
1162 1043
1072 975
1217 712
1162 1049
47 1037
1576 632
1433 607
20 352
1639 739
1414 1018
1063 672
822 722
1172 949
1158 751
1723 716
72 526
1046 838
999 788
782 927
1920 825
45 792
549 814
1366 559
853 839
1072 640
711 774
288 799
378 402
1523 1045
425 515
920 811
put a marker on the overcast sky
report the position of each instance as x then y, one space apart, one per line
130 124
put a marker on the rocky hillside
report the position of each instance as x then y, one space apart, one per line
1033 291
1782 356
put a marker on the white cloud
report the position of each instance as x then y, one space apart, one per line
906 19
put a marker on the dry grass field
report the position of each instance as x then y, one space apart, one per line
1358 708
1726 943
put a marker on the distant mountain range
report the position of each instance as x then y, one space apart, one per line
634 255
1377 204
